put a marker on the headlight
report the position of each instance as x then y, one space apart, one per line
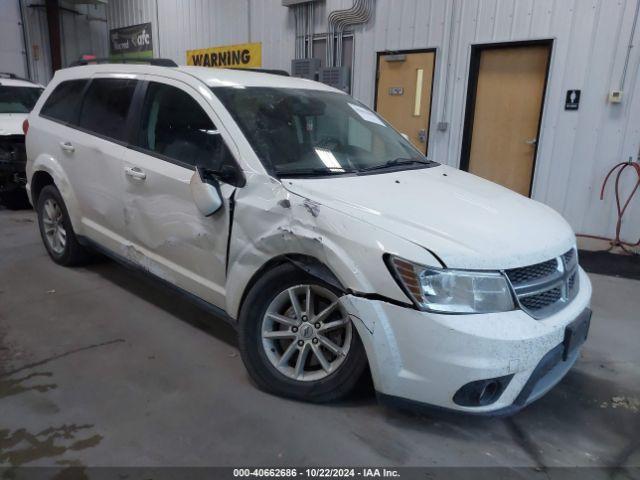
452 291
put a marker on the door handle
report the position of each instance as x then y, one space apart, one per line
422 135
532 141
135 172
67 147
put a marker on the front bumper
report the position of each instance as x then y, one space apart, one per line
426 358
12 162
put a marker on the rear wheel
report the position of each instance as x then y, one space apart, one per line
296 338
56 231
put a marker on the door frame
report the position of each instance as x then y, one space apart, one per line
433 78
472 90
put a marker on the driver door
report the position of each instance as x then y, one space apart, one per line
167 234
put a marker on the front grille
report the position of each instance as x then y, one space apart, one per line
544 288
533 272
541 300
569 256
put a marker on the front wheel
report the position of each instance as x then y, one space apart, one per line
297 340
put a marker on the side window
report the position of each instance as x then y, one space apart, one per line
105 106
175 126
63 103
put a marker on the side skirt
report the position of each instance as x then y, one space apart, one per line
209 307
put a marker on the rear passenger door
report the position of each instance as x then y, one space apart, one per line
95 151
168 235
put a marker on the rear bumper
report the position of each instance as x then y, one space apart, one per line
418 358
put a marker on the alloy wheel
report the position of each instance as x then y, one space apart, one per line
306 332
54 231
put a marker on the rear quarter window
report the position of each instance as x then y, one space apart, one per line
62 105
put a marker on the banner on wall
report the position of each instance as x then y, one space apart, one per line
135 41
246 55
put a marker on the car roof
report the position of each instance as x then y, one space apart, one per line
213 77
17 82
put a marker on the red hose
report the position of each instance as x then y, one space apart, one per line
617 241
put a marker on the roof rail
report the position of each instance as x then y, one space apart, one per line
159 62
282 73
12 76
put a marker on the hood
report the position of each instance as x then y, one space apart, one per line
468 222
11 123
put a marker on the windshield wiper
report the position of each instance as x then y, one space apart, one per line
311 172
396 162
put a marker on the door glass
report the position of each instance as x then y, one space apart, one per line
105 106
62 104
175 126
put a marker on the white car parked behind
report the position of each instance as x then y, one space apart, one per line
17 98
300 215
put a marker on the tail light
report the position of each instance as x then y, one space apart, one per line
25 126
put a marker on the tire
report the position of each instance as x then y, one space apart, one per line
267 300
15 199
70 252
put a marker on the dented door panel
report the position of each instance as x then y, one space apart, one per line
168 235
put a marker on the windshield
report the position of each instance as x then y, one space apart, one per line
310 132
18 99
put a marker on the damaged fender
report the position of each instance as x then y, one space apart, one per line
271 222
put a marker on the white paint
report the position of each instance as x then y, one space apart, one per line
346 223
576 149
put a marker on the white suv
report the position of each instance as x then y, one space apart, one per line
295 212
17 98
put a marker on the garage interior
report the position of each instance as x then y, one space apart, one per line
103 367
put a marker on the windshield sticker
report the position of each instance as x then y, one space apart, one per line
366 114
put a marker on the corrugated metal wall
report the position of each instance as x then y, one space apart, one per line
590 41
80 33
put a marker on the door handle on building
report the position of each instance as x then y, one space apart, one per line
135 172
422 135
532 141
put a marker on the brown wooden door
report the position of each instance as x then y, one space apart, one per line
506 117
403 96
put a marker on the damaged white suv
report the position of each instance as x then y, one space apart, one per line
291 209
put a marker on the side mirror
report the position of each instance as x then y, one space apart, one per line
205 195
405 136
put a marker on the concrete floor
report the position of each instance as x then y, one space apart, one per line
99 366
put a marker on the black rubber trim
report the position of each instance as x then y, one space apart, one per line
556 355
400 403
232 210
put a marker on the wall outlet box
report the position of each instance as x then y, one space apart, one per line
615 96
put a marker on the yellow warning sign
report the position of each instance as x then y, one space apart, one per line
246 55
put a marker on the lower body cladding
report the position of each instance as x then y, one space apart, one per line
482 364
